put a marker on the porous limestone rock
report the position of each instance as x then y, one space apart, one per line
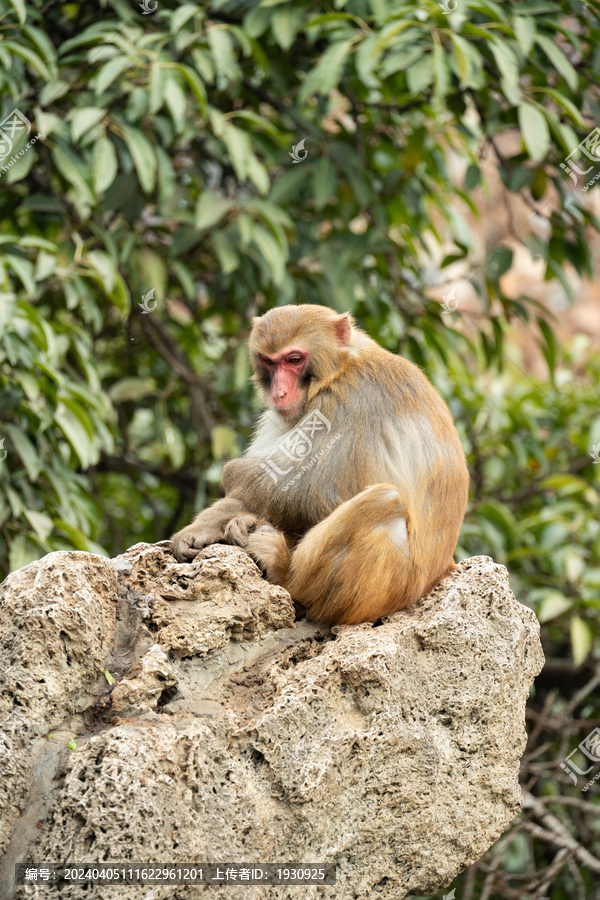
209 726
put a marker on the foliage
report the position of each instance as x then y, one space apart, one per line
535 480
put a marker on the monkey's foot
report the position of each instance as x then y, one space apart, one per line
238 530
269 550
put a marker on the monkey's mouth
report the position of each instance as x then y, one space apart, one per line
288 412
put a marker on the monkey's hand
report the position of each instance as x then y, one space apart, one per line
212 526
188 542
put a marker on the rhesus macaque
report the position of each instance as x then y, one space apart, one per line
353 491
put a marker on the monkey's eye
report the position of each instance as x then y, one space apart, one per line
295 359
265 361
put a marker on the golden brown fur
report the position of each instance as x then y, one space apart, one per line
371 524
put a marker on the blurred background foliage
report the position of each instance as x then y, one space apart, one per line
166 171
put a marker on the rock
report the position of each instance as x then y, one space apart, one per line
210 727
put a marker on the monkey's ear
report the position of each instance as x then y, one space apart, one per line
343 329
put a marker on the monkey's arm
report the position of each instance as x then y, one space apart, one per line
226 521
239 475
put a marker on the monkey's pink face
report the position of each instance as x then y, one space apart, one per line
284 373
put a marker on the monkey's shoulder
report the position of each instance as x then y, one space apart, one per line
385 376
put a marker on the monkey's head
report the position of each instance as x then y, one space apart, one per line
293 346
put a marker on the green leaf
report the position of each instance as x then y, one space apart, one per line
271 254
267 3
535 131
156 85
83 119
120 296
226 255
41 523
74 171
152 271
566 104
45 46
77 435
24 269
27 452
104 164
30 57
210 209
558 60
110 71
328 71
582 638
221 45
508 68
574 563
143 156
441 74
420 75
472 177
239 147
285 24
174 444
28 240
553 604
19 8
524 27
225 442
467 60
105 267
21 553
176 103
196 85
256 21
166 178
132 389
21 168
183 14
550 345
500 262
553 536
78 539
500 516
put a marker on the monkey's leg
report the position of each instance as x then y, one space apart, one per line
358 564
226 521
